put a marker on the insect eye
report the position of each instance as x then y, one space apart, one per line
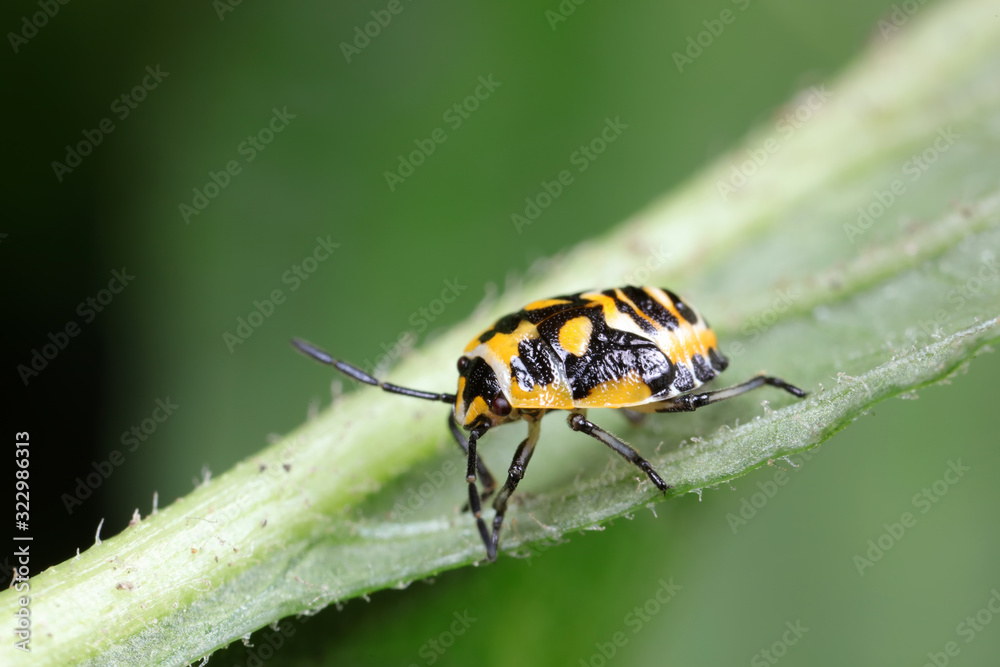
463 365
500 406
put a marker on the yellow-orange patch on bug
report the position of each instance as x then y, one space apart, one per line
626 390
478 407
574 336
553 396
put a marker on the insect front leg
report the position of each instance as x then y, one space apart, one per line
470 477
514 475
489 483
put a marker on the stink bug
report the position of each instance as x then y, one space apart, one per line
640 348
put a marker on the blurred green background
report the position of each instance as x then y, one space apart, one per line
323 176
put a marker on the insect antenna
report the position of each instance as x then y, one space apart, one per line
356 373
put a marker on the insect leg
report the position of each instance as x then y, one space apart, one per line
356 373
470 477
689 402
578 422
514 475
489 484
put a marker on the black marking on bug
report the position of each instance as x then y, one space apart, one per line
626 309
703 371
520 373
505 325
480 380
719 362
612 355
683 309
533 364
651 307
537 315
550 327
684 381
661 379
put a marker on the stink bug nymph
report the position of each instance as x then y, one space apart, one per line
639 348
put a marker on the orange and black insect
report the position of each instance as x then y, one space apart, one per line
639 348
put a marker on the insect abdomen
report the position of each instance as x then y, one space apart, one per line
621 347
